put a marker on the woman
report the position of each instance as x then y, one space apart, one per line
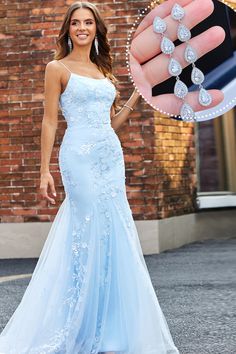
90 291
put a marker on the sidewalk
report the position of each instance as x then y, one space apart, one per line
197 292
195 285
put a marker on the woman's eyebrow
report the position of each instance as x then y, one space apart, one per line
87 19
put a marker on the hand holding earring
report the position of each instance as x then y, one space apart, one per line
149 64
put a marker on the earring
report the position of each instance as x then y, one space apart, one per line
96 44
190 55
69 42
174 69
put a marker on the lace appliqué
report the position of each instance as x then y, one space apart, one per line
88 107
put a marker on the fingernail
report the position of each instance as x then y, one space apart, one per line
54 194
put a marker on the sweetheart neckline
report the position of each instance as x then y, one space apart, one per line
86 77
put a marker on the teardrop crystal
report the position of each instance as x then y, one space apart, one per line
177 12
190 54
204 98
197 76
174 67
180 89
159 25
167 46
183 33
187 113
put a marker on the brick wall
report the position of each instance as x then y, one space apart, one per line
159 152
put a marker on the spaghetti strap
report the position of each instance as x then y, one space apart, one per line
65 66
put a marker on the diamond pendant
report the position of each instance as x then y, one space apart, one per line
197 76
177 12
159 25
174 67
180 89
204 97
167 46
190 55
183 33
187 113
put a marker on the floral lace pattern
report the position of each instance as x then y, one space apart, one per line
91 291
87 105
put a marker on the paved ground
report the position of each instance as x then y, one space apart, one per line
195 286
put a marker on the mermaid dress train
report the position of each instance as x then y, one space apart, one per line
90 291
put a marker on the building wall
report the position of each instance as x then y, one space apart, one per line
159 152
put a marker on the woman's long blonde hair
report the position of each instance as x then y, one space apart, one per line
104 59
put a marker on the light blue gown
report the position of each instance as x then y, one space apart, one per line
90 291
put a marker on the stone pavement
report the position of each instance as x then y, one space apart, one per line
195 285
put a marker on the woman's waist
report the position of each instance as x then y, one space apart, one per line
83 130
78 134
87 119
84 126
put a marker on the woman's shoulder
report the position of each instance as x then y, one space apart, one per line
53 64
54 69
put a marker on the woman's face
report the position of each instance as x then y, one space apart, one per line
82 27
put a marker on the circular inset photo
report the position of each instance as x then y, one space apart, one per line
182 58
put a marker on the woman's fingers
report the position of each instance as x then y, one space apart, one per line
147 44
45 195
162 11
171 104
156 70
52 187
141 82
44 189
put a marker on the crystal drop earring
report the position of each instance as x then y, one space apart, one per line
69 42
174 68
190 55
96 44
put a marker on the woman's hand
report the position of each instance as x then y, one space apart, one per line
45 181
149 65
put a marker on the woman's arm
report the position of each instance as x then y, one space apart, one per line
119 118
52 86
